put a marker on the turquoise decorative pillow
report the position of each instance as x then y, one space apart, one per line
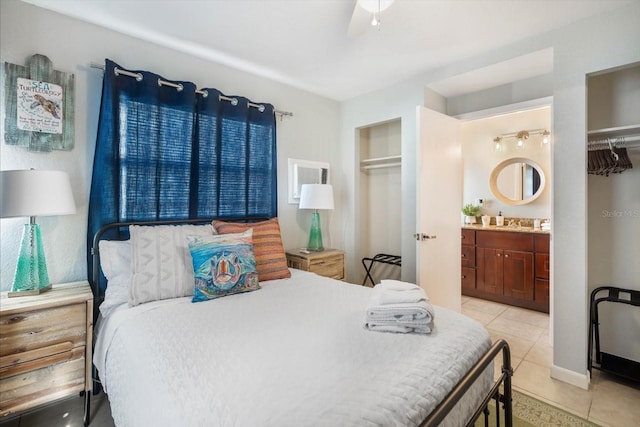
223 265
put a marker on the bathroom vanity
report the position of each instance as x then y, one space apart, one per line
506 264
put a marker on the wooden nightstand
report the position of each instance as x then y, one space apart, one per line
328 263
45 346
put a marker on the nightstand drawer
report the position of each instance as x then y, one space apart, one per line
56 329
329 267
50 381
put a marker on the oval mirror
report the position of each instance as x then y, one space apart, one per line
517 181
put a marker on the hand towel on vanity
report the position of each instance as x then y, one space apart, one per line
399 307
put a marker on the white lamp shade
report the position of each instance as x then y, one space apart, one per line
36 193
316 196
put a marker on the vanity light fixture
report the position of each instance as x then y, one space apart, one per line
498 143
545 136
521 137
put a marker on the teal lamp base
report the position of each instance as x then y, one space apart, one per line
315 235
31 276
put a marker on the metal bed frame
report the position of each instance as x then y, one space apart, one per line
119 230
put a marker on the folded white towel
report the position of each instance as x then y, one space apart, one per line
382 296
425 329
403 312
399 307
396 285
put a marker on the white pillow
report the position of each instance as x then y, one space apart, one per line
117 293
115 258
161 261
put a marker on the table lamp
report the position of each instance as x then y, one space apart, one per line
316 196
34 193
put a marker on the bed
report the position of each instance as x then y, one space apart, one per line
293 353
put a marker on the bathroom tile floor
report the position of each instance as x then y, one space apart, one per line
608 402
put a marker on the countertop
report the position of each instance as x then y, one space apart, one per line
515 229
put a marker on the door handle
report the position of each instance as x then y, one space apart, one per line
423 236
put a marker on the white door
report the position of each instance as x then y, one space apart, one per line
439 205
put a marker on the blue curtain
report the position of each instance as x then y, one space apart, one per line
164 153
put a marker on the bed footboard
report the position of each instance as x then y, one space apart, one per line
441 411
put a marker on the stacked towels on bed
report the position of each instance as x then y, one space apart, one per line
399 307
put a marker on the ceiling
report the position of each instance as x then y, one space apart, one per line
305 43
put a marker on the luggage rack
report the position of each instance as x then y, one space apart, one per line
381 258
610 363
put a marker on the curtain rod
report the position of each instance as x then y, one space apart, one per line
204 93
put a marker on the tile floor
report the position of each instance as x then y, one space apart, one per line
608 402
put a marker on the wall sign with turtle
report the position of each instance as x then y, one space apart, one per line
39 105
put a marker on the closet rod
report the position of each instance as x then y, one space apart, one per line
233 101
626 143
385 165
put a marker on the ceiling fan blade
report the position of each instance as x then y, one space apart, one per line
360 22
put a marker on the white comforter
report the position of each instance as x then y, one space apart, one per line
294 353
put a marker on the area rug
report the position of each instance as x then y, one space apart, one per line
530 412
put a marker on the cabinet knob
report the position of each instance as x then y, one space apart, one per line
506 256
464 255
464 277
498 254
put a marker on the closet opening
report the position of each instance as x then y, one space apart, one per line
379 161
613 215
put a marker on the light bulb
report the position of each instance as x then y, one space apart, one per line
375 21
520 143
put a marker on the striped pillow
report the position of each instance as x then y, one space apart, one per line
271 261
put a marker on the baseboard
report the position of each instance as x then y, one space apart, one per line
570 377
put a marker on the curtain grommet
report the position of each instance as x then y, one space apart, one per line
261 108
205 93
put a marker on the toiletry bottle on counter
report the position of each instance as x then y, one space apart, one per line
500 219
536 224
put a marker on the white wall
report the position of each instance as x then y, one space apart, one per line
480 158
311 134
587 46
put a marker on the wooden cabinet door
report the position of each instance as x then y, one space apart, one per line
490 270
468 256
468 278
518 275
542 266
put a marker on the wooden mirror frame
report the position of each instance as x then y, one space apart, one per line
493 181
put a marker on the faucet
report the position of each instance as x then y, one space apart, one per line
511 223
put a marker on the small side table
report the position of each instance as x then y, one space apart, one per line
46 347
328 263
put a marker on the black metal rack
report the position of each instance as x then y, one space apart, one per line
606 362
381 258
